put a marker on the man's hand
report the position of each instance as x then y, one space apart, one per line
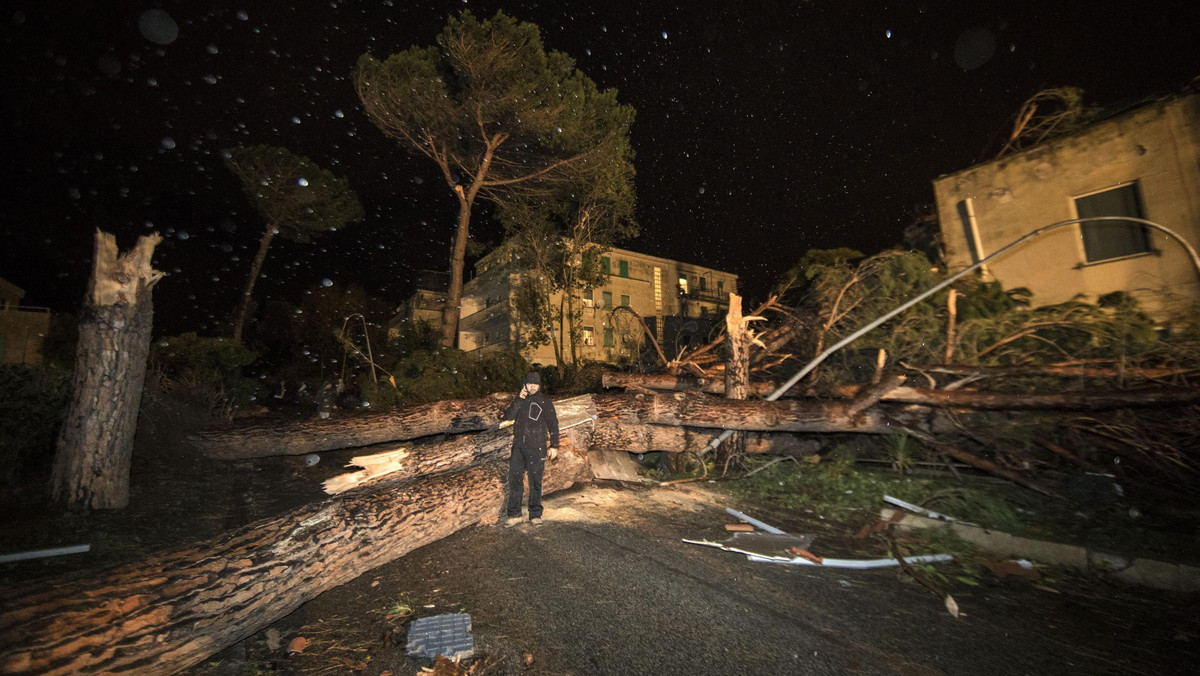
551 453
524 391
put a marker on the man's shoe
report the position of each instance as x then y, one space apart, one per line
536 520
512 521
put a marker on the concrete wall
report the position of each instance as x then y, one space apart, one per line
1157 147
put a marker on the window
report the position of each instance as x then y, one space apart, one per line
683 284
608 338
587 298
589 335
607 295
624 300
703 283
1103 240
622 268
720 286
605 265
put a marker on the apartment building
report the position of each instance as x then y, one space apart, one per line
677 300
1143 163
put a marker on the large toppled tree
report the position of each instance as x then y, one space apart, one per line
95 444
295 198
496 112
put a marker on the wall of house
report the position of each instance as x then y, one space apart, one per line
1157 147
489 323
22 334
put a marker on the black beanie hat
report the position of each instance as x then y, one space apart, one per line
534 378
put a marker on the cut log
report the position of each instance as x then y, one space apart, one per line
1089 400
95 443
175 609
430 456
738 341
259 439
793 415
680 383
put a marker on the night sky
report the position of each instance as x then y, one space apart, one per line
763 128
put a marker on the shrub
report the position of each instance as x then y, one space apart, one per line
206 371
33 402
435 374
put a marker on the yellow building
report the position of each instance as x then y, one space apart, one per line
425 305
1142 163
678 301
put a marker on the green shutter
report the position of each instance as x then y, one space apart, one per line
607 301
623 268
605 265
608 337
624 300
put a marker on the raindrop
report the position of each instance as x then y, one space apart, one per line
212 49
182 235
303 182
664 34
210 78
158 27
338 113
295 120
327 282
168 143
974 47
242 15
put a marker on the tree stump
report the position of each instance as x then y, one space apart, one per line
95 445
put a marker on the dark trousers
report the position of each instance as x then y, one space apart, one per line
522 462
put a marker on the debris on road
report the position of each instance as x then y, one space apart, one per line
739 527
274 639
917 509
297 645
860 564
1020 568
755 522
448 635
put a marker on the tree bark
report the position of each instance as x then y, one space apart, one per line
453 306
426 457
176 608
664 381
792 415
611 435
239 319
95 444
259 439
738 339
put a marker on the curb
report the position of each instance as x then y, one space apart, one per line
1145 572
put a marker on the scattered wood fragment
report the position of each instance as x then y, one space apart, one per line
739 527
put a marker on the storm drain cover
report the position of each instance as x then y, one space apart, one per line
448 635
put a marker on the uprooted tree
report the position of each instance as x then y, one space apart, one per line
496 112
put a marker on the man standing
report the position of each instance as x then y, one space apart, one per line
533 416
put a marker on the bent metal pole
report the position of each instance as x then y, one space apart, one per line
947 282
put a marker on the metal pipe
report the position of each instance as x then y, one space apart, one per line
947 282
755 522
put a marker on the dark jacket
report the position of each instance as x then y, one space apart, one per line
533 419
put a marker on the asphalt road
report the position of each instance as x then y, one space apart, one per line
605 586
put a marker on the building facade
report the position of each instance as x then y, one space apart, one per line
1144 163
22 329
673 297
424 305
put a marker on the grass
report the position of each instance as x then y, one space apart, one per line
837 489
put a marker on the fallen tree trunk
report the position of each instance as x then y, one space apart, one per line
793 415
681 383
430 456
259 439
611 435
174 609
1059 370
1088 400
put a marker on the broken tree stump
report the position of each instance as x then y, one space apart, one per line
612 435
95 443
176 608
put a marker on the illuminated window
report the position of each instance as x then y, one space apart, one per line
683 284
1104 240
589 335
